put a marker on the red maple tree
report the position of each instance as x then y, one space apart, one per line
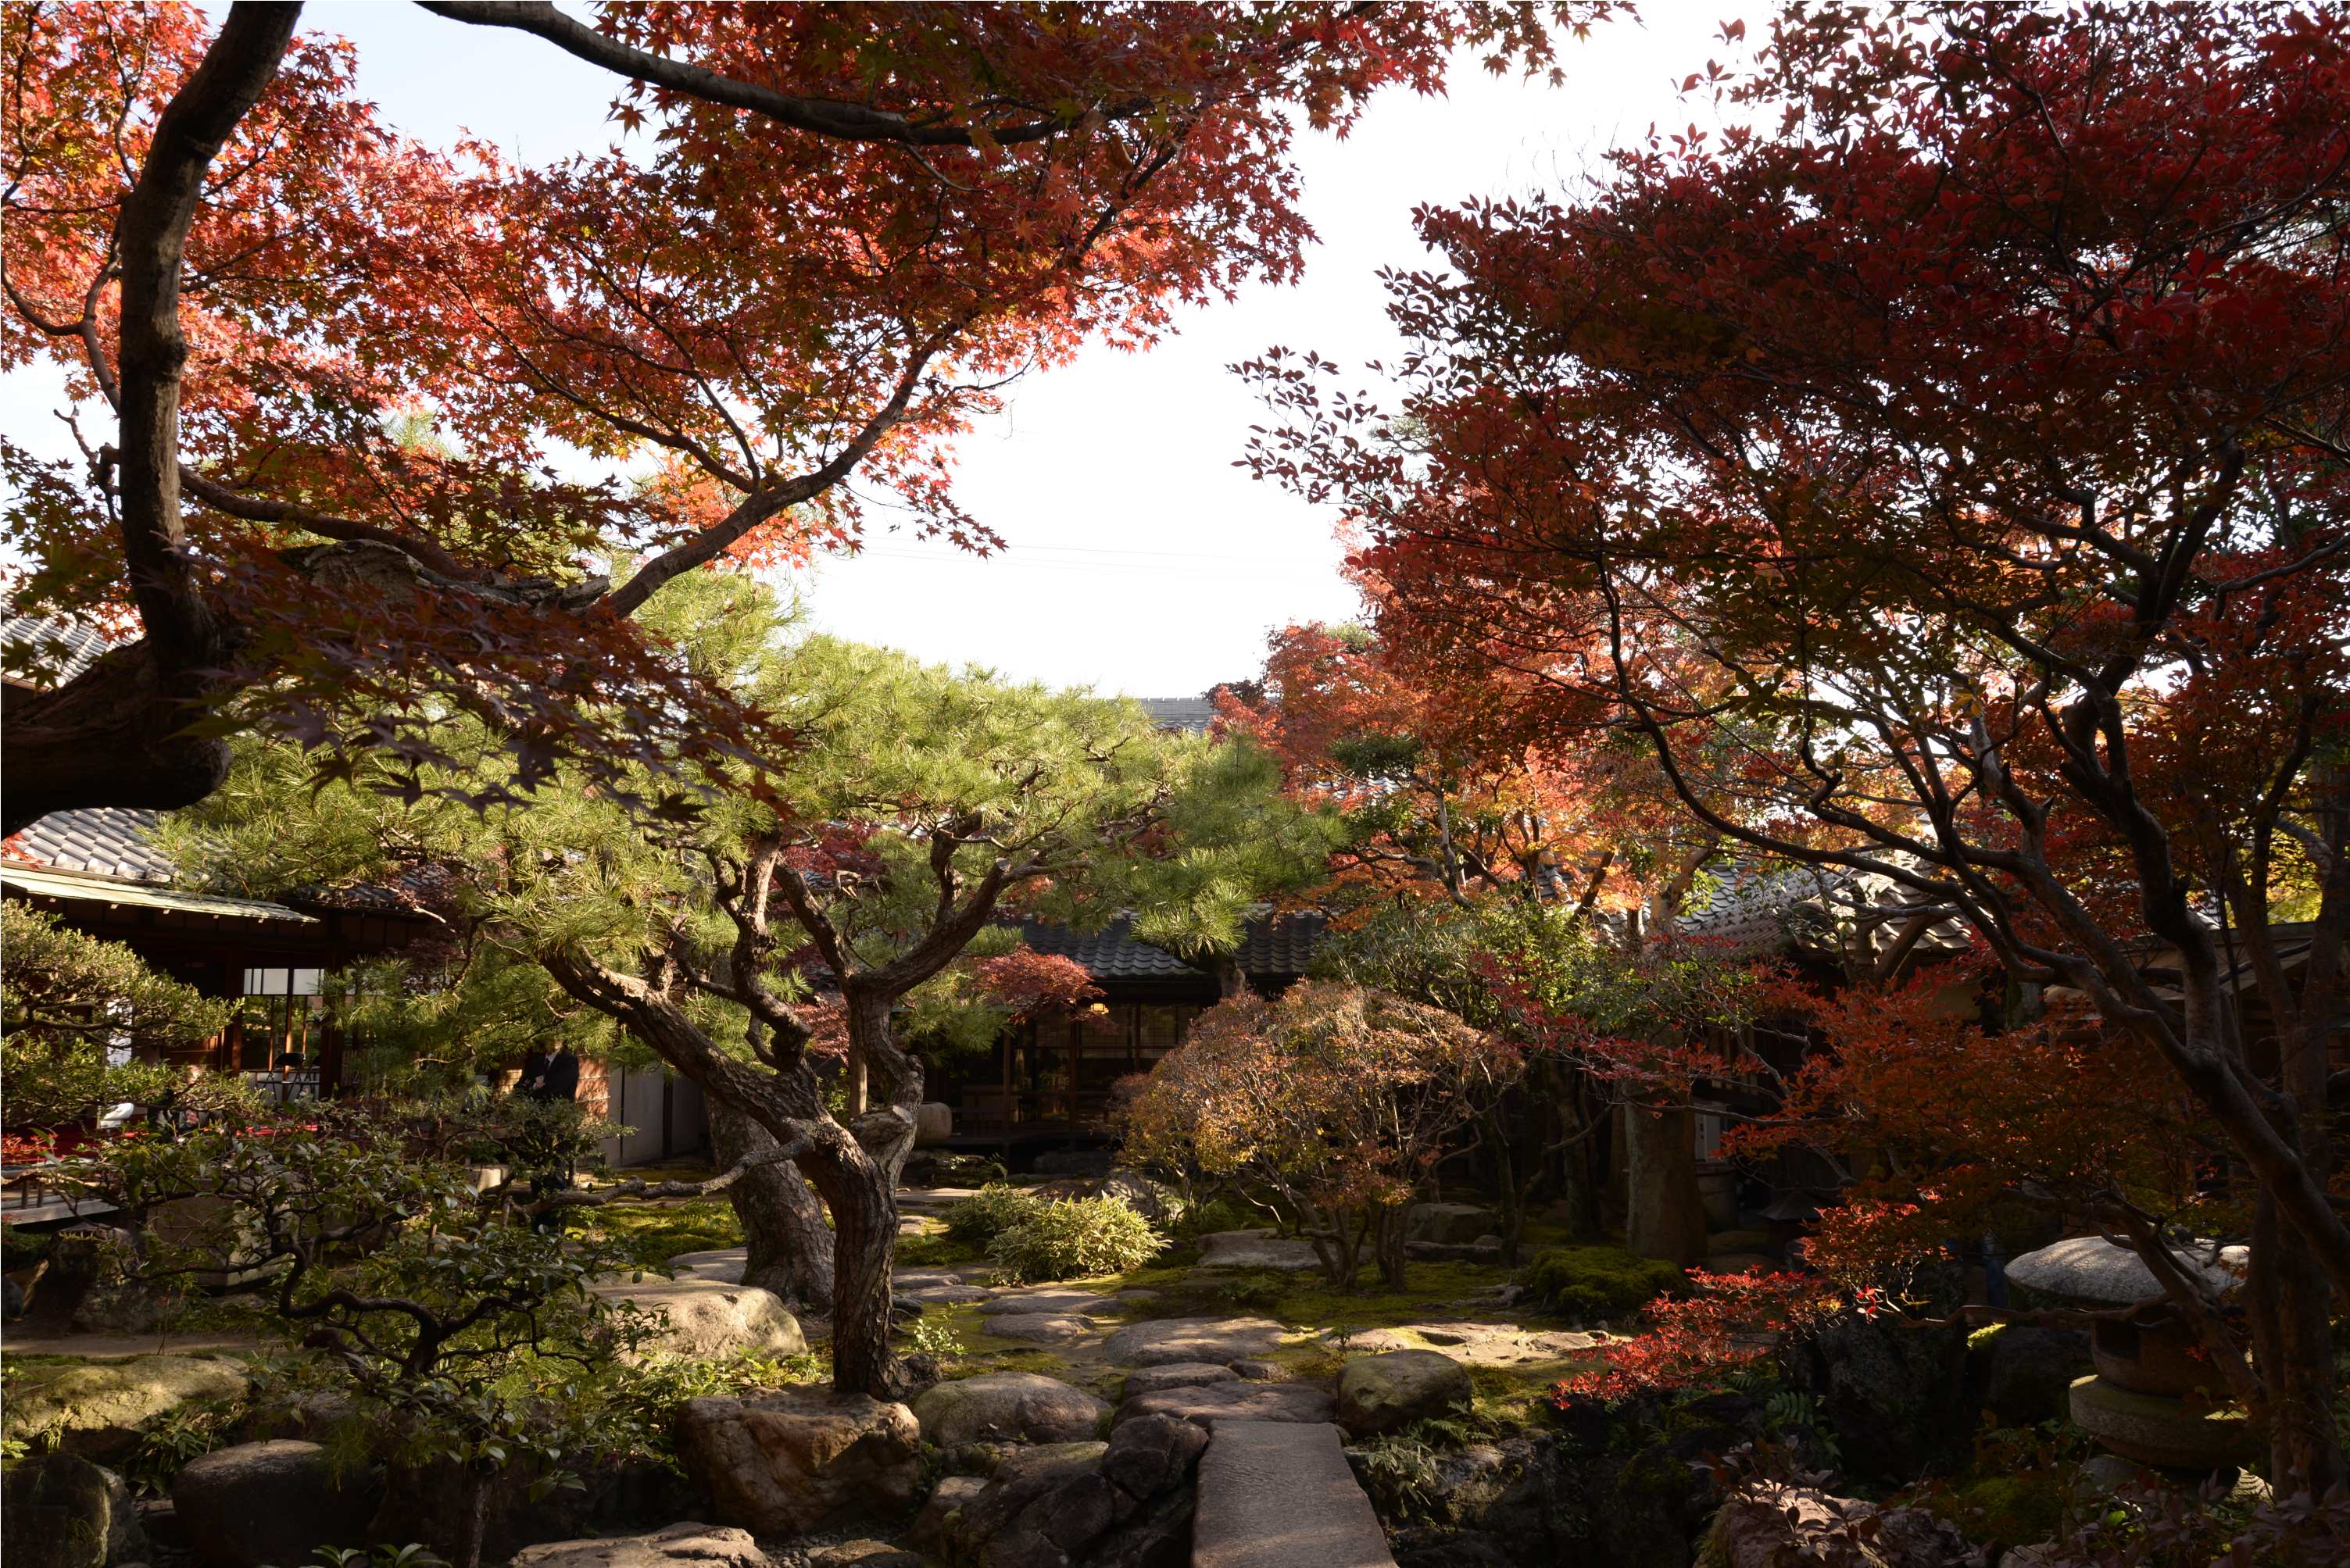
1946 478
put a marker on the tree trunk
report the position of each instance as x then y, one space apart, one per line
864 1244
1666 1214
473 1510
790 1247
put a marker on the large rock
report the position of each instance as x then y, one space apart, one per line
95 1409
2092 1269
679 1546
1281 1497
59 1511
1447 1223
1125 1504
710 1318
1008 1406
1382 1394
1256 1249
2024 1373
936 1524
1223 1340
933 1124
1776 1526
1211 1404
789 1461
273 1502
1895 1395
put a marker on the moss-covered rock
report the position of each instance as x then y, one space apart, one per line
62 1511
95 1408
1593 1282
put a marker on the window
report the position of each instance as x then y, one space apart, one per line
281 1021
1104 1053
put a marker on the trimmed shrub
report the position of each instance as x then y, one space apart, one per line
1075 1240
1600 1282
978 1219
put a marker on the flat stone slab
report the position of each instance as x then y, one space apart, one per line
725 1264
1256 1249
1474 1343
1213 1404
1280 1495
923 1278
1039 1327
949 1295
2092 1269
1176 1375
1223 1340
1027 1301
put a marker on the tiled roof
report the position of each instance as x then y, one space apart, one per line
1110 953
48 652
1276 946
1191 714
103 841
1282 944
1757 910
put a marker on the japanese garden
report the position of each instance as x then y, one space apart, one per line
721 852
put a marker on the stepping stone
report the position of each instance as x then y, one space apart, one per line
1039 1327
1134 1295
1280 1495
1212 1404
1473 1344
921 1279
1223 1340
1045 1301
949 1295
1261 1371
1256 1249
724 1264
1176 1375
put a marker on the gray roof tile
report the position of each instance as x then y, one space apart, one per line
104 841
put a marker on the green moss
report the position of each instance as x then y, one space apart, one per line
1594 1283
1984 1336
660 1231
2007 1511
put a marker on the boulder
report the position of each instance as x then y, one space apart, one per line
1256 1249
1015 1407
1379 1395
1895 1395
59 1511
933 1124
2024 1373
1125 1504
1223 1340
1176 1375
95 1409
1485 1250
937 1520
789 1461
1447 1222
709 1319
1210 1404
2092 1269
679 1546
274 1502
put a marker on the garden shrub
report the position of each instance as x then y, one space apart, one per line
1075 1240
988 1213
1600 1282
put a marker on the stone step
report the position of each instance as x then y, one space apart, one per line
1279 1494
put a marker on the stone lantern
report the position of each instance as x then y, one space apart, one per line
2155 1397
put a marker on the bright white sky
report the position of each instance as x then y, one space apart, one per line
1139 559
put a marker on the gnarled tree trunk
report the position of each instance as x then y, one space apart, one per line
790 1247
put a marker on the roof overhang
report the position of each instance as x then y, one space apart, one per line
39 883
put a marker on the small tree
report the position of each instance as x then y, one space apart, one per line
67 1002
464 1334
1336 1102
